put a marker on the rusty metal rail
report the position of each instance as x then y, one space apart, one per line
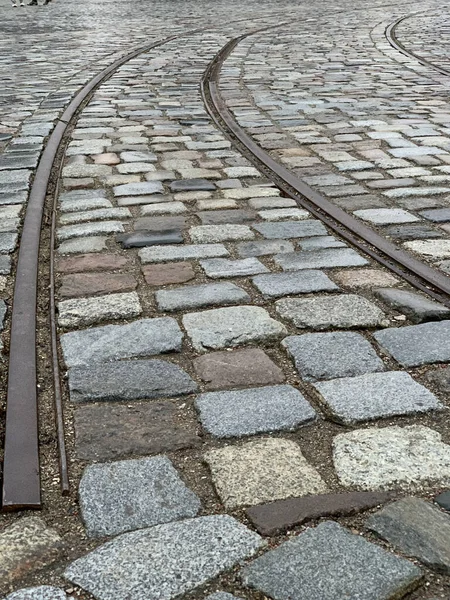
420 275
21 479
391 36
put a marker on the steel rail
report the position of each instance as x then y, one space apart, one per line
391 36
417 273
21 478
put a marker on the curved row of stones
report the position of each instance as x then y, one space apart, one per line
276 334
334 103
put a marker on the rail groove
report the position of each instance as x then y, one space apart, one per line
412 270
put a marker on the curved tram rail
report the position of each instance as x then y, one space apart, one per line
415 272
21 479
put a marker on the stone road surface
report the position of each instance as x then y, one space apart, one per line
254 408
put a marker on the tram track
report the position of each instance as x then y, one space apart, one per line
420 275
391 36
21 479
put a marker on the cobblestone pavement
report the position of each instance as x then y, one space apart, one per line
254 408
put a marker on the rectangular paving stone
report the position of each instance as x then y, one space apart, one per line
417 345
94 215
87 229
128 380
8 242
412 232
213 217
195 184
326 258
196 296
231 327
264 247
84 204
328 562
326 312
437 215
158 275
145 337
86 311
139 189
330 355
158 254
204 234
415 528
418 308
162 562
92 284
26 546
158 224
91 262
140 429
314 243
239 368
85 245
262 471
393 457
144 199
143 238
150 492
222 267
283 284
430 248
238 413
307 228
386 216
168 208
376 395
275 517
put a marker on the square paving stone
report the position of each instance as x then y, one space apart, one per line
145 337
196 296
375 395
323 258
417 344
162 562
26 546
392 458
128 380
108 432
331 355
274 517
132 494
283 284
86 311
158 275
329 563
290 229
262 471
231 327
222 267
237 413
418 308
415 528
239 368
42 592
326 312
